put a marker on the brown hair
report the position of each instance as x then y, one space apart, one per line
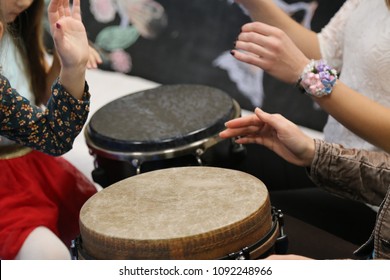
27 31
388 3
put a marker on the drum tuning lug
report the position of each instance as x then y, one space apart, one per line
73 249
238 150
281 244
241 255
137 165
198 153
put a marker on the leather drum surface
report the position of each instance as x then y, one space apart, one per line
176 213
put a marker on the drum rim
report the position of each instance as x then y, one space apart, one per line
196 148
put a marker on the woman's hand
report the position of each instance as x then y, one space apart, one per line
270 49
274 132
287 257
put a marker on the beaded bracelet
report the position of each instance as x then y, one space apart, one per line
317 79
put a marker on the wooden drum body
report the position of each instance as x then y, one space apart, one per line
179 213
168 126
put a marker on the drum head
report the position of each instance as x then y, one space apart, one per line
161 118
176 213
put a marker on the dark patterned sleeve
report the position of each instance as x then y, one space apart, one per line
52 130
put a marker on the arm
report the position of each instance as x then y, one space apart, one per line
71 44
51 131
358 174
53 72
363 116
272 50
268 12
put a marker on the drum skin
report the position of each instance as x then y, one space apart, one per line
176 213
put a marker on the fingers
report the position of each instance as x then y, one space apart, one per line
255 125
259 34
277 121
249 58
243 126
61 8
76 10
94 59
67 12
243 121
259 27
52 12
256 44
236 132
53 6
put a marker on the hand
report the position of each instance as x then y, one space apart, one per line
274 132
287 257
270 49
69 33
247 2
94 58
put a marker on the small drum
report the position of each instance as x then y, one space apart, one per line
168 126
179 213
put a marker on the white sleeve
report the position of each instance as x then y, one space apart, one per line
331 37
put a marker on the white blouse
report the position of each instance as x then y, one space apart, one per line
14 70
357 42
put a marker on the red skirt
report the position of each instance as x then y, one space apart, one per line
39 190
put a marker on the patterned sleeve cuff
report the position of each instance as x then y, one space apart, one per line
57 86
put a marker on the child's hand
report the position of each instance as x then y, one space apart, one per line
69 33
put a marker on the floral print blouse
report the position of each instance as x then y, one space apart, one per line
51 130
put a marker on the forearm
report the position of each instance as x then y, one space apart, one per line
356 174
73 80
363 116
268 12
51 131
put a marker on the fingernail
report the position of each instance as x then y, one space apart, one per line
232 53
58 25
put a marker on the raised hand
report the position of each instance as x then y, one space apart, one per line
69 33
270 49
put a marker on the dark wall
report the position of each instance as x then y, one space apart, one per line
182 46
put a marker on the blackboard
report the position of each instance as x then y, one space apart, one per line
190 42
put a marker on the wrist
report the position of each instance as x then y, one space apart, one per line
317 79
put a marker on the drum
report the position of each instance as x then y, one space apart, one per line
194 212
168 126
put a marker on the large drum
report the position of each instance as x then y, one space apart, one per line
179 213
168 126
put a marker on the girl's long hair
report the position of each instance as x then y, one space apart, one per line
27 33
